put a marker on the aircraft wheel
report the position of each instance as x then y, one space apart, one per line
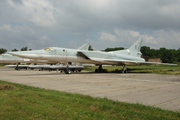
79 70
125 71
68 72
96 70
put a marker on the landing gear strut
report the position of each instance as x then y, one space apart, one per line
67 71
100 70
17 68
124 70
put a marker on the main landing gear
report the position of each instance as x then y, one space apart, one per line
100 70
124 70
68 71
17 68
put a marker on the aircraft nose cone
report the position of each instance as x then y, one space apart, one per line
25 55
13 53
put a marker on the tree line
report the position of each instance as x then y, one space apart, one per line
2 50
166 55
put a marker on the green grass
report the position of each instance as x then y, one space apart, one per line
171 70
2 65
25 102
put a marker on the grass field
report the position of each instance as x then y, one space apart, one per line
25 102
171 70
2 65
162 69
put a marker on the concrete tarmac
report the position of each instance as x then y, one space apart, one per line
149 89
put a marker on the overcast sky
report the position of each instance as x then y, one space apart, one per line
102 23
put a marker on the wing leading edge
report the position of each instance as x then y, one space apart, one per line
126 62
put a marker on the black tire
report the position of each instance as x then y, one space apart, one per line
68 72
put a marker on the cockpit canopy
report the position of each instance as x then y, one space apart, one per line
47 49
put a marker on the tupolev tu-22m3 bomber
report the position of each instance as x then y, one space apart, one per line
7 58
131 56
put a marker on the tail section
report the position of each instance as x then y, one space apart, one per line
58 64
84 47
134 50
137 45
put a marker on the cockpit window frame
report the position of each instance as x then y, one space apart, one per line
48 49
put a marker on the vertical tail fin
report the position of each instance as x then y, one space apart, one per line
58 64
84 47
136 46
134 50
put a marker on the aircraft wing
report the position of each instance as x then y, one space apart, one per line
136 62
118 62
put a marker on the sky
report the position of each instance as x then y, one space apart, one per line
38 24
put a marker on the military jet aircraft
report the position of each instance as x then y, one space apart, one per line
7 58
131 56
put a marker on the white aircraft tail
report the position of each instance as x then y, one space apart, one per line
134 50
58 64
137 45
